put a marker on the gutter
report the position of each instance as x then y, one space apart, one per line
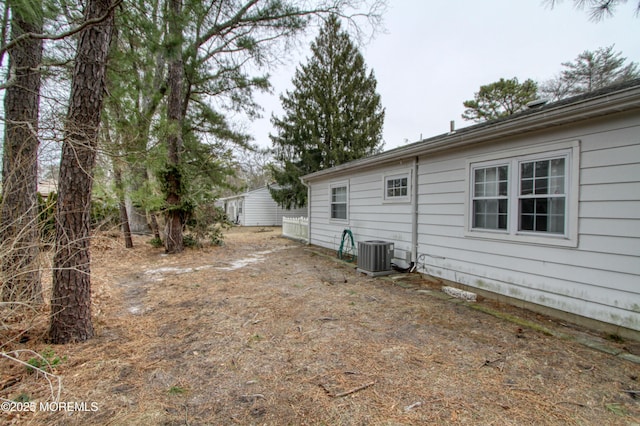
308 209
414 213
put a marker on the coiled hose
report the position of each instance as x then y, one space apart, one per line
347 251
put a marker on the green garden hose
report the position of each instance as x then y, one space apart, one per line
347 250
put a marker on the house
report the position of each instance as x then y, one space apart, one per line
47 186
540 209
256 208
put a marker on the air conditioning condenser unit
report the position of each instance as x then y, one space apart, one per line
374 257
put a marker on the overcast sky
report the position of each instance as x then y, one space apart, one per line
436 54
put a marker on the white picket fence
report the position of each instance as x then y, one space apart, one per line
296 228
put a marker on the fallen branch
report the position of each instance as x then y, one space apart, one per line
489 363
350 391
252 398
49 377
7 383
252 320
516 388
571 403
419 404
412 406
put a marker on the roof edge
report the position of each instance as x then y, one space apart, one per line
613 99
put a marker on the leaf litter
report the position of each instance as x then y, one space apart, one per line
265 330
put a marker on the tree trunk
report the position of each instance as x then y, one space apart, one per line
124 221
124 218
137 176
138 222
173 178
19 210
153 224
71 293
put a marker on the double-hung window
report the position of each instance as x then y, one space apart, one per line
542 196
339 196
490 197
525 197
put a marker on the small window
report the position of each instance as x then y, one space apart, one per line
339 202
396 187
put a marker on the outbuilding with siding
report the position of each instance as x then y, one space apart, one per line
256 208
541 209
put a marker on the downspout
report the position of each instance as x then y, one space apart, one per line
308 209
414 218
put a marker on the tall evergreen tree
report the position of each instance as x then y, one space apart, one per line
71 287
20 275
173 183
333 115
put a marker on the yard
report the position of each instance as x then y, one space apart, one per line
265 330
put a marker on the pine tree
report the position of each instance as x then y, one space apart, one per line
500 99
333 115
597 9
71 287
590 71
19 273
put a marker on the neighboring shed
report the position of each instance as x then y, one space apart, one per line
47 186
541 209
256 208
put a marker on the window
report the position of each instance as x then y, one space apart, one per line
339 201
530 197
397 187
490 197
542 197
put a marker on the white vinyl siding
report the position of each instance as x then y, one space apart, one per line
370 217
589 268
257 208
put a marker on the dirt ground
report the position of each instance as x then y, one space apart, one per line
268 331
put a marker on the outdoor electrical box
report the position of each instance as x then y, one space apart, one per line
374 257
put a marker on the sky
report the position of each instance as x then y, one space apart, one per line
434 55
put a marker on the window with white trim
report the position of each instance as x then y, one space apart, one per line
490 197
397 187
528 195
339 196
542 196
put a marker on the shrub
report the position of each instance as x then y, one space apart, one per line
156 242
